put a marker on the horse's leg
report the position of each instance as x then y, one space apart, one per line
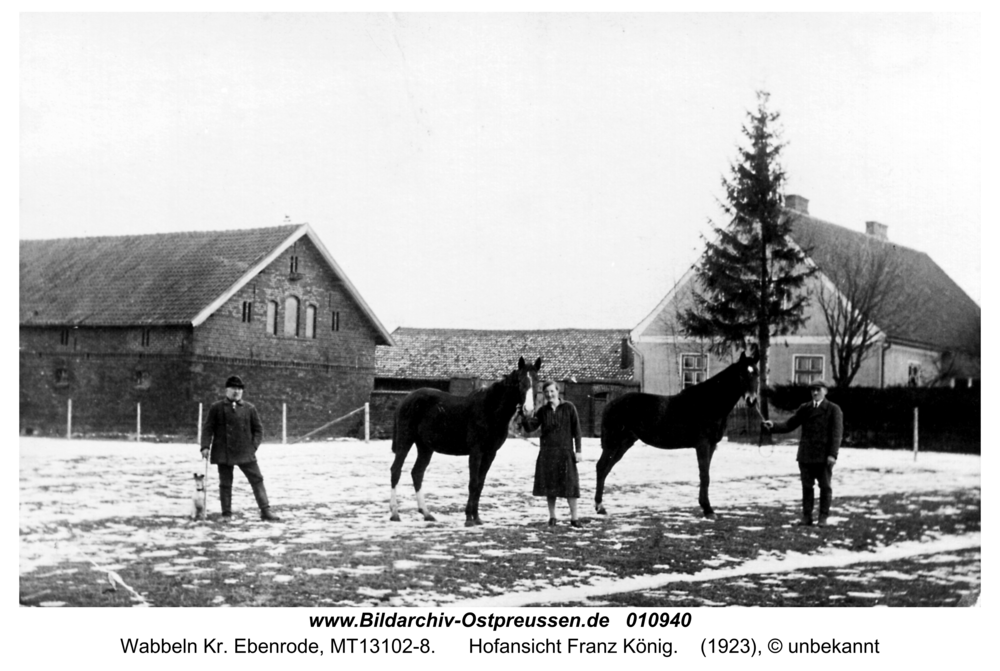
400 449
603 468
484 467
424 455
472 506
704 450
612 452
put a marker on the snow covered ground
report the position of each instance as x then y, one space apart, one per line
70 481
65 483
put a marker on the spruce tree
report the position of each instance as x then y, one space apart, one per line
749 279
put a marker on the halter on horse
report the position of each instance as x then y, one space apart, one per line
474 425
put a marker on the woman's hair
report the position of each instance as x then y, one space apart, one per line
550 383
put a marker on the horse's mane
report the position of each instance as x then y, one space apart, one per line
712 383
497 388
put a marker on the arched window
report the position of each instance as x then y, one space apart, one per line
272 317
291 316
310 321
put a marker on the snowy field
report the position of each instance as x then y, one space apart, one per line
80 502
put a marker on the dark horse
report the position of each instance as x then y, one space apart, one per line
475 425
696 418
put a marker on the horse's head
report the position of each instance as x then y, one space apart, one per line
749 372
525 378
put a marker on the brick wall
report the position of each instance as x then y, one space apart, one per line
80 340
226 334
383 410
107 391
313 396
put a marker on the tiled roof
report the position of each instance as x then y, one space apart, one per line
165 278
941 315
447 353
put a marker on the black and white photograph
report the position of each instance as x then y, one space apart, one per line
495 327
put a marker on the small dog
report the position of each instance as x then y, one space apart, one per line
198 497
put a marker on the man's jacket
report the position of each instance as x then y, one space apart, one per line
822 431
234 432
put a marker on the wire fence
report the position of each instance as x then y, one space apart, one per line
136 432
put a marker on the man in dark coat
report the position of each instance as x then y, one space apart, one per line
822 425
232 433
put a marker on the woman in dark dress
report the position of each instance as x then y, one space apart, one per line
555 469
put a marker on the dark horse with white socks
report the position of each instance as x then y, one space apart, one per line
474 425
696 418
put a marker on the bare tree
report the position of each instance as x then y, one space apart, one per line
862 296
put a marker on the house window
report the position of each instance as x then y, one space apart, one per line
808 369
144 337
247 311
913 374
310 321
142 379
293 265
62 377
335 321
64 337
272 317
694 369
292 316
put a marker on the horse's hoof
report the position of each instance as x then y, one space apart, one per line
601 510
473 522
429 518
394 517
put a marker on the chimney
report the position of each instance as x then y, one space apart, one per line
877 230
797 203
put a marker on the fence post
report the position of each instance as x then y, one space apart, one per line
138 421
69 418
916 431
366 423
199 424
284 424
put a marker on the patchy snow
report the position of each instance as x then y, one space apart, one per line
66 484
793 561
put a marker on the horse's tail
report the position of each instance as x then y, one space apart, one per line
402 421
398 417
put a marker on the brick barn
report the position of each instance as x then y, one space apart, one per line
593 366
151 326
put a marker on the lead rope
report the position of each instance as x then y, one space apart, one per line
760 435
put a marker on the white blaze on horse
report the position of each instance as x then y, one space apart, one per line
474 425
696 418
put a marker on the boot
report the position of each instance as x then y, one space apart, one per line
822 520
806 521
226 499
267 516
260 494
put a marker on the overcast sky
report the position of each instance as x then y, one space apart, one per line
497 171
